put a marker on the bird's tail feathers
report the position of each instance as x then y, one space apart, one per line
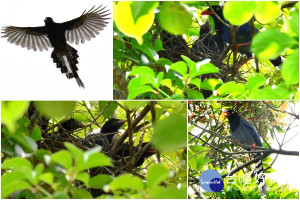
260 177
66 60
277 61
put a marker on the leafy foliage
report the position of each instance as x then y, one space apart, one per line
157 54
37 164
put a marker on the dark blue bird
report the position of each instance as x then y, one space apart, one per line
243 35
243 132
208 45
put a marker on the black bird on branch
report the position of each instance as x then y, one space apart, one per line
244 133
243 35
56 35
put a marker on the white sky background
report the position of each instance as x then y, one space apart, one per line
29 75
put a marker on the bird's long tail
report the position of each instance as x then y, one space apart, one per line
66 60
260 177
277 61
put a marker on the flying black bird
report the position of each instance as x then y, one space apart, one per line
57 35
243 35
244 132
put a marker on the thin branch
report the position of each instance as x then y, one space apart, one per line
294 115
123 137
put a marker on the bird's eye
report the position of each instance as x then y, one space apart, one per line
217 8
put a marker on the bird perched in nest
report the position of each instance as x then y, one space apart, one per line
244 133
149 151
56 35
208 45
243 36
105 137
70 125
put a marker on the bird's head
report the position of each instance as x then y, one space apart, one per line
71 125
231 114
217 9
227 113
112 125
48 20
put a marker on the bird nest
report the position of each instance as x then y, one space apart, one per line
54 141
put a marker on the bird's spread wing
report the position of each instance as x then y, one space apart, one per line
28 37
87 25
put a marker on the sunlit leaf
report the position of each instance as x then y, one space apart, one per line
245 11
126 23
175 17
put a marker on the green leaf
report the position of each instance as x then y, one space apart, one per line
81 194
12 182
205 69
99 181
62 158
75 151
138 91
196 82
127 25
55 108
142 71
245 11
83 177
211 84
231 87
17 164
175 17
177 96
171 192
37 173
193 94
140 8
133 105
36 134
269 93
47 177
156 174
270 44
60 195
167 82
93 160
110 110
11 111
146 50
127 182
191 64
290 69
171 129
293 22
255 81
139 82
266 11
159 78
164 61
179 67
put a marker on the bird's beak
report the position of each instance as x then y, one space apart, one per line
207 12
226 113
